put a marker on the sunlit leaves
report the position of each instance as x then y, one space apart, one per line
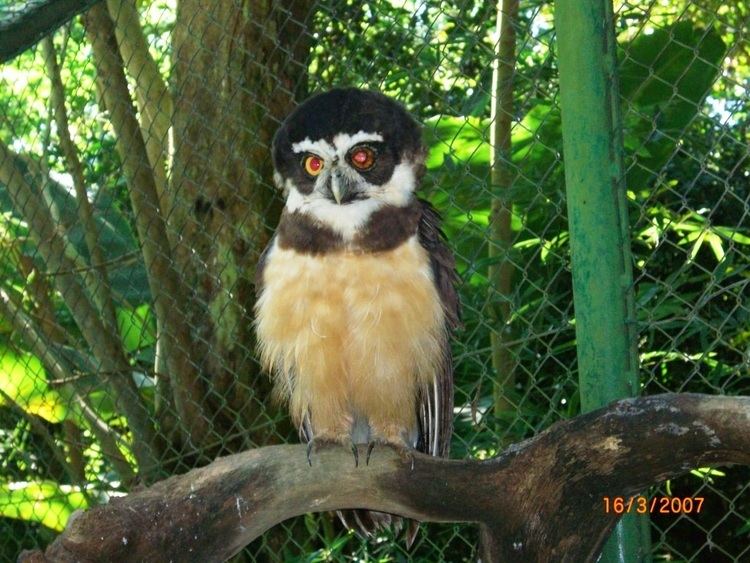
664 78
693 231
45 502
23 381
137 327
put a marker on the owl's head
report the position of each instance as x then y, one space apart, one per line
345 153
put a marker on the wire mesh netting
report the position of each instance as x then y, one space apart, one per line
136 196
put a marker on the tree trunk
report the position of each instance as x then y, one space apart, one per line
239 68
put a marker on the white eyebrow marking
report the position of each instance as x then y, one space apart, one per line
341 144
344 141
320 147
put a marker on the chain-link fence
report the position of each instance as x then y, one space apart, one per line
136 195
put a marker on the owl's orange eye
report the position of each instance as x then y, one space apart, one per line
363 158
313 165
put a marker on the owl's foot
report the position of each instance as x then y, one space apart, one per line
321 442
405 452
355 451
317 444
370 447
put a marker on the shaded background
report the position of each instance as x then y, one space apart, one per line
135 197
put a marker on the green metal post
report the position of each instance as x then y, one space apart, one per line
598 223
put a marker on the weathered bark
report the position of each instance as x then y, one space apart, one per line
239 67
541 500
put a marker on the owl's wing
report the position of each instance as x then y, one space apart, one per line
261 266
435 404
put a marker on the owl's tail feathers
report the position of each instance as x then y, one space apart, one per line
367 523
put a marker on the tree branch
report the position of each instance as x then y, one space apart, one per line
541 500
167 290
151 91
105 345
37 19
100 287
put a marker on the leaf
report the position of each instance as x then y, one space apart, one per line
696 246
463 138
664 78
137 327
732 235
45 502
23 379
717 247
537 138
677 63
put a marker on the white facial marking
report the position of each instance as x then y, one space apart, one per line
341 144
400 187
295 200
349 218
343 219
320 147
343 141
288 186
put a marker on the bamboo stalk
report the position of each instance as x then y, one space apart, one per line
101 287
501 270
154 99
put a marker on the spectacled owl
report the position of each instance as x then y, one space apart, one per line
356 292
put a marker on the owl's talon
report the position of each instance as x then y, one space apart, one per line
314 445
309 453
409 454
370 447
404 452
355 451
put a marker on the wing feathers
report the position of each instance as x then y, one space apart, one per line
436 405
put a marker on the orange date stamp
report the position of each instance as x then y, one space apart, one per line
654 505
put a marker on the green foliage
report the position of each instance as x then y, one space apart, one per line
428 54
664 79
45 502
137 328
22 381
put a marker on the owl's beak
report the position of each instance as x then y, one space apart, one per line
341 187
